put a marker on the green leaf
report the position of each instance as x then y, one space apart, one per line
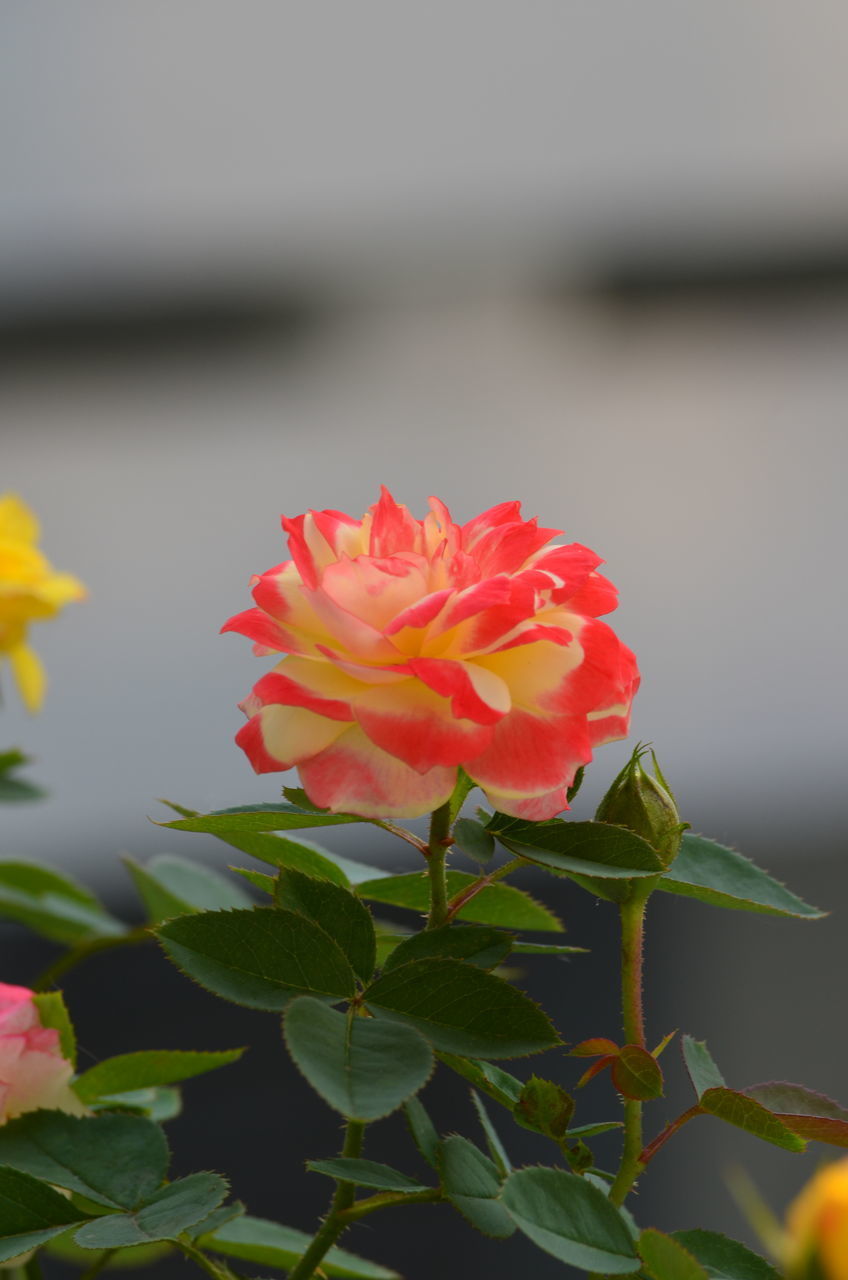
18 790
485 948
337 911
258 958
576 784
423 1130
636 1074
260 817
130 1071
587 848
279 851
30 1213
472 838
745 1113
53 1013
273 1245
173 1209
170 886
298 797
14 789
498 904
387 940
723 1258
53 905
546 949
142 1255
472 1183
496 1148
299 855
703 1071
570 1218
590 1130
114 1160
366 1173
486 1077
156 1104
462 790
462 1009
217 1218
666 1258
363 1068
721 877
811 1115
264 883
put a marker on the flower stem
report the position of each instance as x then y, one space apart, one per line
633 1022
437 852
464 896
98 1265
385 1200
213 1267
335 1221
662 1138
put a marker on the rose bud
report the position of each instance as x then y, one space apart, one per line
645 805
817 1227
33 1072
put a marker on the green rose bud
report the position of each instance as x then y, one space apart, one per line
545 1107
644 804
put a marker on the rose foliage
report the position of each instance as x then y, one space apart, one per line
415 658
417 646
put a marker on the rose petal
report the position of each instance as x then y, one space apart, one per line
419 727
277 738
355 776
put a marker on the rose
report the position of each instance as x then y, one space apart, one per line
33 1072
30 591
817 1227
421 645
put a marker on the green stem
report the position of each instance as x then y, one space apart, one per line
402 834
213 1267
464 896
385 1200
437 852
633 1022
335 1221
75 956
98 1265
662 1138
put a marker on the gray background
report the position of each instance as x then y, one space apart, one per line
260 257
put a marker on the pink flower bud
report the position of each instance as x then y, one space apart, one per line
33 1073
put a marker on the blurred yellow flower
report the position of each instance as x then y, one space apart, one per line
817 1227
30 591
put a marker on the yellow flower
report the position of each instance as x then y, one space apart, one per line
30 591
817 1227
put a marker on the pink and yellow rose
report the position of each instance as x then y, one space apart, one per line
33 1072
417 646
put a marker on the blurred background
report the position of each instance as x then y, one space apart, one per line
265 256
